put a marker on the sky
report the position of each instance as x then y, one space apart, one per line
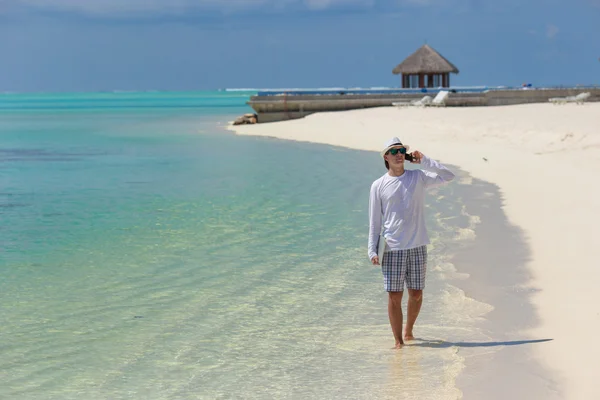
104 45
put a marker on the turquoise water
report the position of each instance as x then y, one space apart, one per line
146 252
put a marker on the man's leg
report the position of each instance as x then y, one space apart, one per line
415 282
415 299
395 314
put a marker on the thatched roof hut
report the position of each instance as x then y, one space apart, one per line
426 62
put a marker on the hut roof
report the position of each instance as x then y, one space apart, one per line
425 60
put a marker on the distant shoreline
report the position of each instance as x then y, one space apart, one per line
273 106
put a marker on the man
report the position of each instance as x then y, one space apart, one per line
396 203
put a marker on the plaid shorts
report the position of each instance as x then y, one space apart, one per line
401 266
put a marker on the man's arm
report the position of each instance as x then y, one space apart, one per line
374 220
434 173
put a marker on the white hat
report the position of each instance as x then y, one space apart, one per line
393 142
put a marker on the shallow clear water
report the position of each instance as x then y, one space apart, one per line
148 253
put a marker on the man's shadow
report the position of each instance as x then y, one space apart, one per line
441 344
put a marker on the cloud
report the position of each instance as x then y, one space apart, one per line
417 2
324 4
134 7
142 8
551 31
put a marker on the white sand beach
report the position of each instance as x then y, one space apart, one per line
545 159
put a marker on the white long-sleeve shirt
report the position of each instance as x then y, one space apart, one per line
396 203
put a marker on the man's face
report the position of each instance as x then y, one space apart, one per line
397 158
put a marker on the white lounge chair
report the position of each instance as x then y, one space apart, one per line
579 99
428 101
440 99
421 102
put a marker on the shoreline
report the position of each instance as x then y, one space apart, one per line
473 266
543 160
485 261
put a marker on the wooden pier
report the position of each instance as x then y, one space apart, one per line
281 106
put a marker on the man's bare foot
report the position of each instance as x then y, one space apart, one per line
399 345
409 336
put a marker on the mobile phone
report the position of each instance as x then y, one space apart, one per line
408 157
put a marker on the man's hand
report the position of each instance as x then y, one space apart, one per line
375 260
417 157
